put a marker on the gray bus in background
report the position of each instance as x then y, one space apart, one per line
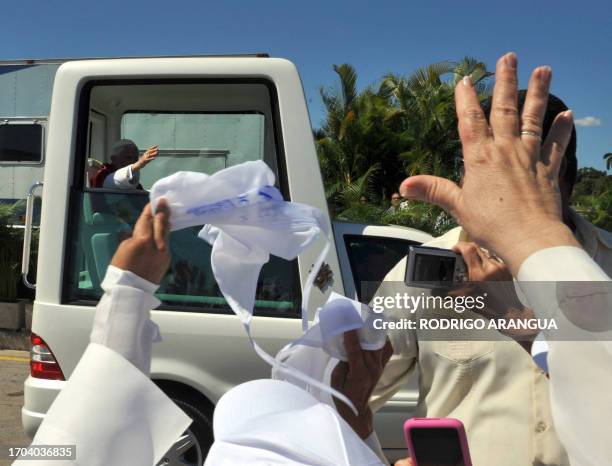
25 100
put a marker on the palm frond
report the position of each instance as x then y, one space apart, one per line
348 84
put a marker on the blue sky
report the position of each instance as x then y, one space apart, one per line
575 38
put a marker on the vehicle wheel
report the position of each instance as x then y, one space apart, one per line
192 447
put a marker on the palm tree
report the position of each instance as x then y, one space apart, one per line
477 71
355 143
425 102
608 159
372 138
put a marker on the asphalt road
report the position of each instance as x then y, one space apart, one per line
14 369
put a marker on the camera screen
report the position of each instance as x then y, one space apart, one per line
437 447
432 268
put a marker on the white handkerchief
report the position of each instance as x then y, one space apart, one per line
318 351
246 220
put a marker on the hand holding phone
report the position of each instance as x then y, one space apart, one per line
437 442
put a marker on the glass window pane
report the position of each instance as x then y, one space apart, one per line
203 142
105 219
371 258
205 139
20 143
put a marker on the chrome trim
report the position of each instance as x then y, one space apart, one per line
27 236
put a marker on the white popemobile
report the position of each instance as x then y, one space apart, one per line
206 114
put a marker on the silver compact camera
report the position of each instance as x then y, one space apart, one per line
434 267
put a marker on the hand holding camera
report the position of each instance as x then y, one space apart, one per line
488 275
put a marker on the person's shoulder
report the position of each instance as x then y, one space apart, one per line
109 179
448 239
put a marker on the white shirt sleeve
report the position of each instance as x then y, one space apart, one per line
109 408
123 178
564 283
112 413
122 321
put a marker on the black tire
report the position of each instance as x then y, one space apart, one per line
201 428
202 425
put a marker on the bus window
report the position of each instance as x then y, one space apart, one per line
202 127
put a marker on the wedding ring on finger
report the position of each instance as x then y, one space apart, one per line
532 134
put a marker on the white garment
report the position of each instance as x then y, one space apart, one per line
337 316
109 408
265 422
317 351
246 220
128 299
598 244
580 371
123 178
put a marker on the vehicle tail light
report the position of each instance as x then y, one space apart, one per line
43 364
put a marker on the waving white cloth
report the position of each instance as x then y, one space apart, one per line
246 220
318 351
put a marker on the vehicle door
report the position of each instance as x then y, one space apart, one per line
366 254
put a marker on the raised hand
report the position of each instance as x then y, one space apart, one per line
357 378
149 155
146 252
509 200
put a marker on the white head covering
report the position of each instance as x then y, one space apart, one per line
266 422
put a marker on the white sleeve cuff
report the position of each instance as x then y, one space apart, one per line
122 320
541 272
116 276
560 264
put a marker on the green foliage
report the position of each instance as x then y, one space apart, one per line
11 247
404 125
592 197
361 213
10 253
591 182
421 216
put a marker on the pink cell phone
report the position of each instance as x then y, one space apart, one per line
437 442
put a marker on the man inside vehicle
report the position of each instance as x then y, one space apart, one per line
123 172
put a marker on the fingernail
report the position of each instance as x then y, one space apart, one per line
467 81
546 73
511 59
